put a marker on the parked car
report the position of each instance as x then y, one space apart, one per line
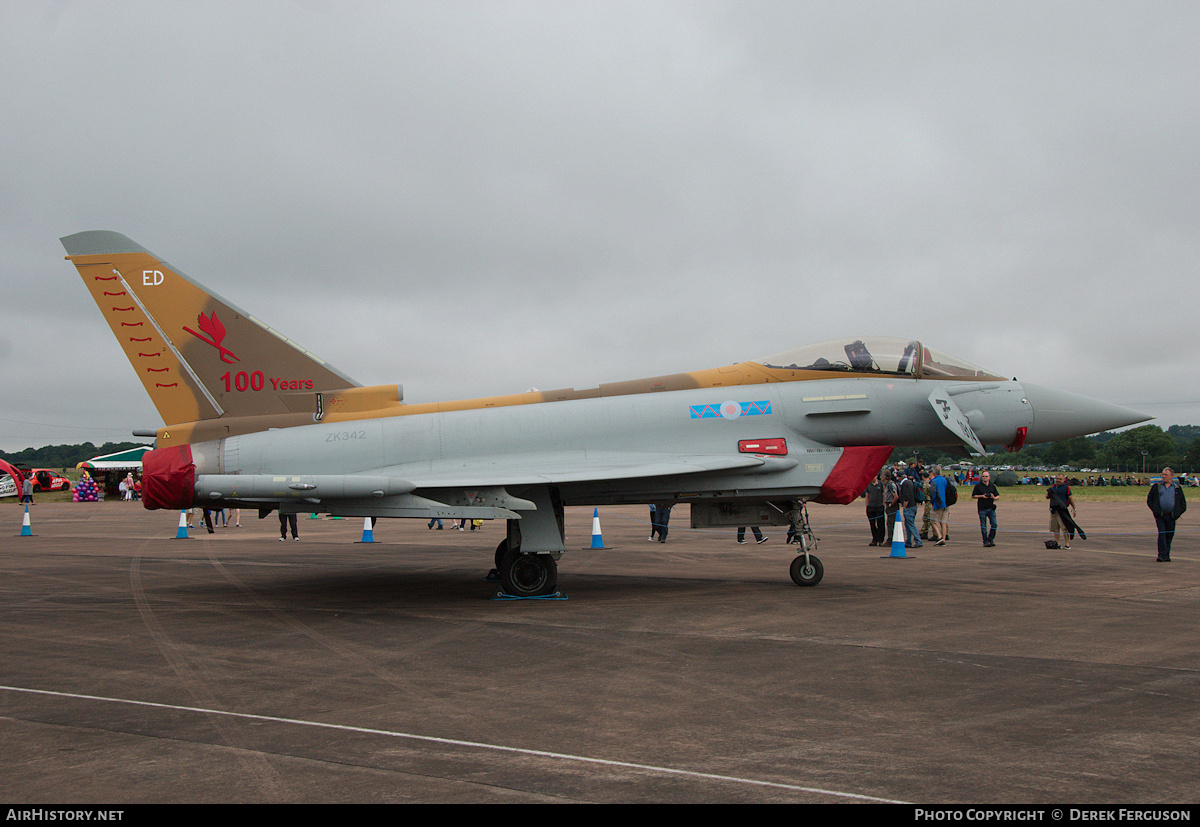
46 480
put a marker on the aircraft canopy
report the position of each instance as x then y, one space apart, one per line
877 354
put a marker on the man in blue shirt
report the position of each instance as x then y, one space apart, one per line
938 515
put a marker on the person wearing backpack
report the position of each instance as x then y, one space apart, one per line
940 504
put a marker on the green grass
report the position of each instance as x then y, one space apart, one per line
1080 493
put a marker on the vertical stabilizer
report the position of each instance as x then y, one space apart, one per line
197 355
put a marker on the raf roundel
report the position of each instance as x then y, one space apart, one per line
731 410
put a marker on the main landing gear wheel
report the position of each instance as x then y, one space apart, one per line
807 573
528 575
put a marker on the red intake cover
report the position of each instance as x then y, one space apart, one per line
168 478
849 478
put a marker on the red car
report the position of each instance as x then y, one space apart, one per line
46 480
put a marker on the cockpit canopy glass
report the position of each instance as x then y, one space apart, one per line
878 354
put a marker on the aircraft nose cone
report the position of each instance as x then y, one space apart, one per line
1061 415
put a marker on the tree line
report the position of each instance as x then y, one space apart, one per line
1148 447
65 456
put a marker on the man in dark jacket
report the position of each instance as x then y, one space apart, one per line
1168 504
875 510
985 494
908 501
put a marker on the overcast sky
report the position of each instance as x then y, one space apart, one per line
472 198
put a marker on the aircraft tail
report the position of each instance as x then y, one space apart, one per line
198 356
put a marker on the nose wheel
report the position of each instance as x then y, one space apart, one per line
806 570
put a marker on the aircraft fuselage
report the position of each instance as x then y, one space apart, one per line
790 434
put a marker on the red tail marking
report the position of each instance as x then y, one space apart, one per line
214 332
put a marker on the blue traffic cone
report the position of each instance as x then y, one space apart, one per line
898 549
368 532
26 528
597 537
181 533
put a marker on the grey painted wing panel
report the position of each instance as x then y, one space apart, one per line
561 467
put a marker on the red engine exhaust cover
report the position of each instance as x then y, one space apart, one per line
168 478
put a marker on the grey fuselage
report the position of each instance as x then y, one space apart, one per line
570 444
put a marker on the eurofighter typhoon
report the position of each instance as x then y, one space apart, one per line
252 420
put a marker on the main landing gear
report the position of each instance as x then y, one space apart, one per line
806 570
525 574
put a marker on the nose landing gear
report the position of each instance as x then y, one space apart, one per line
806 570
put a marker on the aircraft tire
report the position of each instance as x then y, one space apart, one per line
528 575
809 575
501 550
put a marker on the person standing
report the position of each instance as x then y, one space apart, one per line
908 500
926 483
891 503
985 494
1061 522
938 515
27 489
662 516
875 518
758 535
286 520
1167 503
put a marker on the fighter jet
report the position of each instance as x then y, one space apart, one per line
253 420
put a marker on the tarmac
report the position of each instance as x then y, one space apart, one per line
231 667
